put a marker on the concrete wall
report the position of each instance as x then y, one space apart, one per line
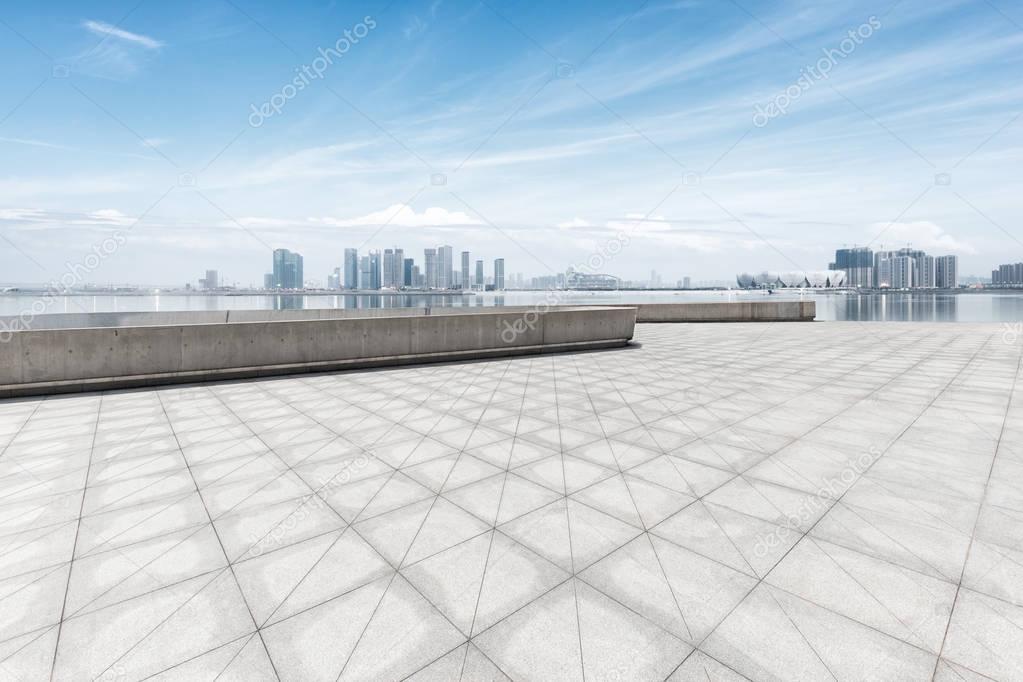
742 311
63 360
745 311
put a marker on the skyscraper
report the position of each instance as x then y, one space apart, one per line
445 267
858 264
374 270
288 272
365 276
946 272
480 281
499 274
925 272
430 267
334 279
212 280
351 268
407 280
466 282
394 261
903 272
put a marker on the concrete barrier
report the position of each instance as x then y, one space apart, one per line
41 361
732 311
741 311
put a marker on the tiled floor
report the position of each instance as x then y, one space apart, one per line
774 501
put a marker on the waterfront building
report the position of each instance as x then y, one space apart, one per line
445 267
499 274
287 270
430 268
946 272
351 268
407 276
858 265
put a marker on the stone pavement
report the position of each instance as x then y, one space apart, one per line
764 501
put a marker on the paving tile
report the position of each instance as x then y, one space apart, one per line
582 515
986 636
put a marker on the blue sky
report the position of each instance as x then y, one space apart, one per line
554 128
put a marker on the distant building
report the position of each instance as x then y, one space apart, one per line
211 281
946 272
686 283
288 273
466 281
445 267
820 279
924 274
393 264
499 274
1008 275
350 266
334 279
480 281
268 280
592 281
374 270
430 268
858 265
408 273
903 272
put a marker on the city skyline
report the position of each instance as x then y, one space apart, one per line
694 127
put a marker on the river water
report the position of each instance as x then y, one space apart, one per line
965 306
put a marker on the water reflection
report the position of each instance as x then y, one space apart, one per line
981 306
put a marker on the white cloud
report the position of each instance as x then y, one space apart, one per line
108 30
574 223
921 234
404 215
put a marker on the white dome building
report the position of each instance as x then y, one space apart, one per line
817 279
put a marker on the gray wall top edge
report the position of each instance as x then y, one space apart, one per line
492 312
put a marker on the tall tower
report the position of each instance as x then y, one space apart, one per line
499 274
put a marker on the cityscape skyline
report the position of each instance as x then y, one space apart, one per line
538 133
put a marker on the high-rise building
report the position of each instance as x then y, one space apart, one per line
946 272
288 272
268 280
1008 275
480 282
374 270
686 283
211 280
430 268
924 275
903 272
365 273
334 279
351 268
394 261
466 280
858 264
407 280
499 274
445 267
